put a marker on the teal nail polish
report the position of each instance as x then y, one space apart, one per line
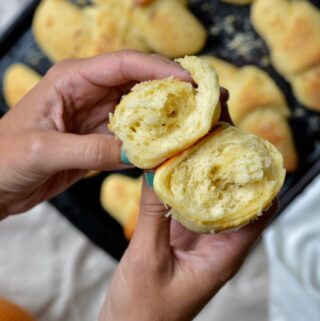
124 158
149 178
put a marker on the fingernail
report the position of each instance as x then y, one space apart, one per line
124 158
149 178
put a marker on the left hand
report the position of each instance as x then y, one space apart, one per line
59 130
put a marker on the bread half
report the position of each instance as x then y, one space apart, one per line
159 118
224 181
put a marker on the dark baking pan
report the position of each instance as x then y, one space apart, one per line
231 37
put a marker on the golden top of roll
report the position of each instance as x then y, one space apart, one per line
257 105
120 197
294 43
249 86
272 126
18 80
159 118
65 30
306 87
222 182
291 30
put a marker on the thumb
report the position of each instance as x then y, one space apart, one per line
153 228
54 152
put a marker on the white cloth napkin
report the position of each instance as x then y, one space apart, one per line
293 247
50 268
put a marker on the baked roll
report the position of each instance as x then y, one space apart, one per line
64 30
18 80
294 43
249 86
258 106
272 126
120 197
224 181
159 118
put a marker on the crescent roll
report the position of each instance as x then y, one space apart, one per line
291 30
120 197
222 182
159 118
257 105
65 30
18 80
272 126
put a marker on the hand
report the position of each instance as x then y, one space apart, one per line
170 273
59 130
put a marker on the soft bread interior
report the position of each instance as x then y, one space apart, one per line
222 182
258 106
160 118
272 126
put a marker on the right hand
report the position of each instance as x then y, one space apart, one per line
170 273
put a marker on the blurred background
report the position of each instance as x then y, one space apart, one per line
57 260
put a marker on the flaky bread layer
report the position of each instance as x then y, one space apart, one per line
222 182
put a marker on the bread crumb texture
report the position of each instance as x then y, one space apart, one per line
223 182
159 118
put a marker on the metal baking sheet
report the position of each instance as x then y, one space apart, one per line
231 37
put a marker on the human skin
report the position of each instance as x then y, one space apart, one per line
58 132
169 273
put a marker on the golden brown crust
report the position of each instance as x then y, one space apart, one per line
64 30
257 105
250 88
270 125
18 80
120 197
306 87
294 43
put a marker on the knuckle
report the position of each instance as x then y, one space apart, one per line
35 149
154 209
60 68
95 151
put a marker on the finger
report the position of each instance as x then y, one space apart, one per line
114 69
54 152
153 228
229 249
